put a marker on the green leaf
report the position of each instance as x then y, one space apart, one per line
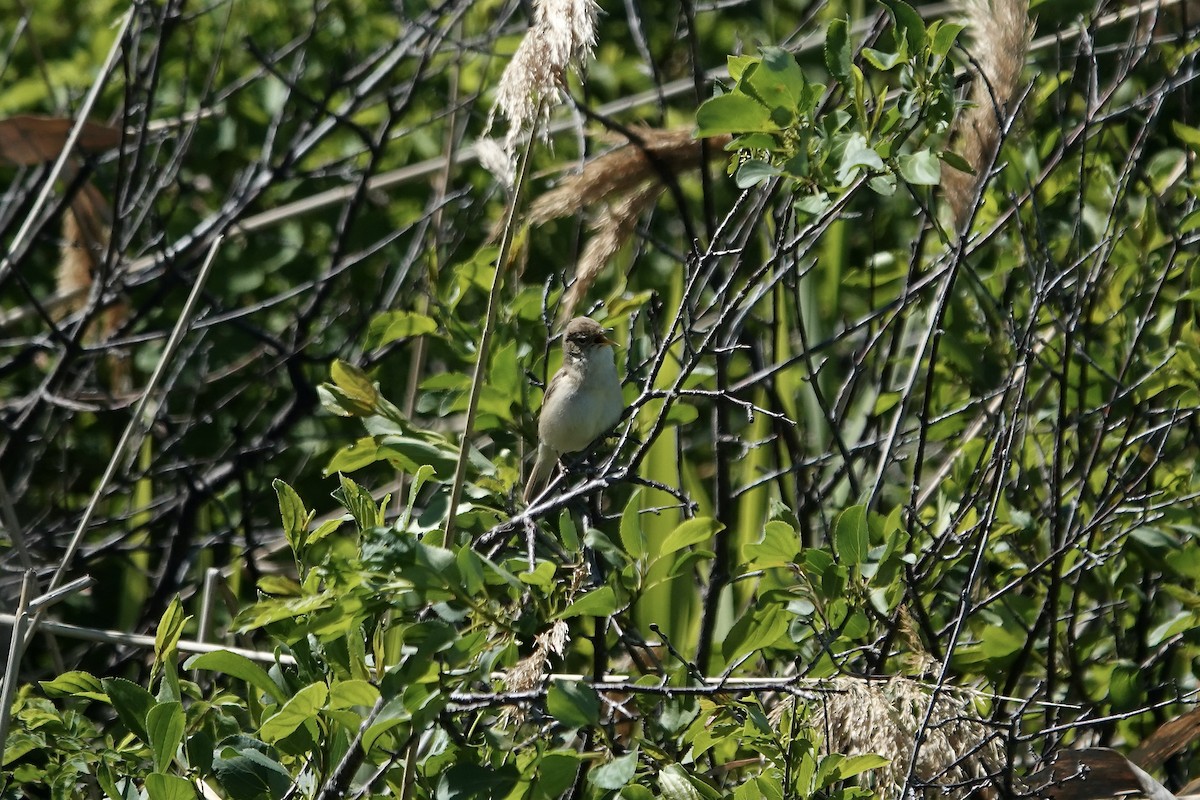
1125 686
857 155
921 169
850 766
170 628
753 632
359 503
616 773
943 40
754 172
555 774
1187 134
779 546
240 667
813 205
909 23
248 774
635 792
597 603
409 454
568 534
105 777
541 576
335 401
689 532
732 113
573 703
470 781
75 684
738 64
354 382
131 703
470 570
837 51
764 787
879 59
424 473
393 715
953 159
393 325
164 726
777 82
356 388
200 747
851 536
997 644
753 141
296 518
632 537
301 708
354 456
168 787
674 784
883 185
1180 622
406 453
19 744
347 694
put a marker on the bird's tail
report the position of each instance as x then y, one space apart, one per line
543 466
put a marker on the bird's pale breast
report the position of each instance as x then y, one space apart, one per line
582 407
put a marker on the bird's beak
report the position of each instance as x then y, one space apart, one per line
608 340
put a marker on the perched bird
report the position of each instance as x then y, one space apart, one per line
582 401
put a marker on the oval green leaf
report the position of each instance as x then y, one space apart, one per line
301 708
240 667
851 535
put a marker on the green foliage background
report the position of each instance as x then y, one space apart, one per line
859 444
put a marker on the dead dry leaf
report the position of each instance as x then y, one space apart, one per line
26 140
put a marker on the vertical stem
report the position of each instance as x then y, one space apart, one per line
16 649
724 510
139 421
485 342
208 596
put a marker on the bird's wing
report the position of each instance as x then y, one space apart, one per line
543 465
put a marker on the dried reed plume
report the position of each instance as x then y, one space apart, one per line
85 238
495 159
85 235
563 33
609 234
1002 32
958 752
529 672
76 260
628 181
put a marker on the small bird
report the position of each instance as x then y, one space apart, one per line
582 401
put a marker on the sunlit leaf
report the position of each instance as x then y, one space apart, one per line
597 603
733 113
852 536
300 708
237 666
573 703
164 726
616 773
393 325
837 50
689 532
